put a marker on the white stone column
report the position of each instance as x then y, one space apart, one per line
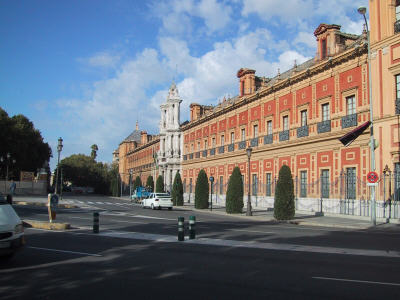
162 143
176 115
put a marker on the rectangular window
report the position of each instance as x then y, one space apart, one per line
351 105
397 10
232 137
190 186
243 131
325 183
255 130
205 144
222 140
269 127
221 185
303 184
213 142
254 184
269 184
396 196
323 46
398 86
192 147
304 118
198 146
325 112
351 183
285 123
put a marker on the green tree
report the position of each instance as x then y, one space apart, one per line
93 154
137 183
24 143
160 184
201 191
177 190
150 183
234 194
115 180
284 195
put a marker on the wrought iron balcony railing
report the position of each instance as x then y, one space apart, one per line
231 147
212 151
221 149
349 121
302 131
254 142
191 156
324 126
284 135
397 26
242 145
185 157
198 154
204 153
268 139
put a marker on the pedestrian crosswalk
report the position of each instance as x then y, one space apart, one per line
94 203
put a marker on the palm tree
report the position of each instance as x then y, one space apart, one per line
93 154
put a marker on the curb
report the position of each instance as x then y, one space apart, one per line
46 225
273 221
43 204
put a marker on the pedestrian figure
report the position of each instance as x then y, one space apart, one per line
13 186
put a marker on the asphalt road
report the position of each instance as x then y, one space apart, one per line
137 255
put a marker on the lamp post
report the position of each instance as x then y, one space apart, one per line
248 212
212 181
130 183
363 10
59 148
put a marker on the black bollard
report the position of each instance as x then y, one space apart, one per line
181 229
96 222
192 227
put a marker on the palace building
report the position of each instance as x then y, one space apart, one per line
295 118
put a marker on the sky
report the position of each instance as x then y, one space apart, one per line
87 70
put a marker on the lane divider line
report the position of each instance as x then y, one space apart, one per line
64 251
358 281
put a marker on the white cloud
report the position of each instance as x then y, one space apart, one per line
306 38
102 60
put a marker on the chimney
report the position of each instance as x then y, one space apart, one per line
247 81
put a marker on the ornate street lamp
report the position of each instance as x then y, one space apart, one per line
212 181
363 10
59 149
248 212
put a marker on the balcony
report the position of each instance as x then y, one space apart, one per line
198 154
284 135
204 153
221 149
302 131
268 139
231 147
397 26
191 156
397 106
212 151
185 157
324 126
254 142
349 121
242 145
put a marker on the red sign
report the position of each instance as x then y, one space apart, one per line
372 177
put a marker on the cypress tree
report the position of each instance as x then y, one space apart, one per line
201 191
160 184
137 183
284 195
150 183
234 194
177 190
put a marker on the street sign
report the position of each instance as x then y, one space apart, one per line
372 177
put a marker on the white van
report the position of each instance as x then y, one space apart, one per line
11 230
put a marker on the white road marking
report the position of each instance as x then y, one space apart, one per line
254 231
99 202
64 251
117 221
358 281
90 202
253 244
149 217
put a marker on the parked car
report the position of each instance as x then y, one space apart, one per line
12 236
158 201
